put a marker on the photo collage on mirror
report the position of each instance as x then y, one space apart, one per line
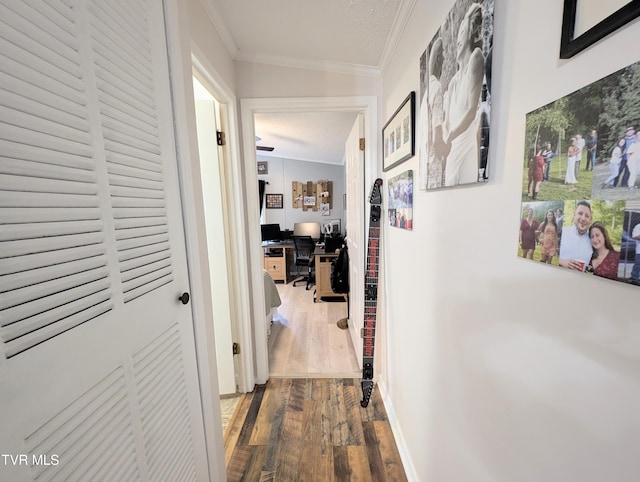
581 180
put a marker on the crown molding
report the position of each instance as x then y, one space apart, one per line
337 67
399 24
220 24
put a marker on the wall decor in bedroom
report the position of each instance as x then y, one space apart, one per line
455 98
311 195
580 206
274 201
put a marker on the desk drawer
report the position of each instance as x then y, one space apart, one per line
276 267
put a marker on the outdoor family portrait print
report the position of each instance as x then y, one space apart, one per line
581 172
455 98
400 200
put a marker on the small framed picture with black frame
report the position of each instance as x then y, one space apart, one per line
398 135
274 201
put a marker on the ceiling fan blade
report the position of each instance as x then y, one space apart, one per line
264 148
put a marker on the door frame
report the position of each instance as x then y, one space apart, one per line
183 55
368 105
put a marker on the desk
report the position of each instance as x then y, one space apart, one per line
323 274
277 259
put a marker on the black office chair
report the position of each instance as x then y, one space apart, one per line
304 257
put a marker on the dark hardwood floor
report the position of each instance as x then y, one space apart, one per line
311 429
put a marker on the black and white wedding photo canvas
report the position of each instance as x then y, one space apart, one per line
455 98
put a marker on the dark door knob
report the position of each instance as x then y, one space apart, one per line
184 299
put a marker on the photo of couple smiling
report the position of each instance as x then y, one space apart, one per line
580 205
596 237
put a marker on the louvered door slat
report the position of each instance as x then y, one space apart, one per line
130 139
135 212
39 26
34 78
109 97
74 415
129 134
130 10
22 167
151 282
51 127
97 302
25 92
48 186
136 262
143 202
119 119
44 45
17 264
64 74
136 152
23 295
111 85
137 242
35 213
26 138
23 247
127 468
79 432
164 373
46 157
92 456
135 273
108 13
44 230
44 200
57 14
27 107
116 159
141 231
134 172
14 309
113 37
91 446
125 224
33 276
55 328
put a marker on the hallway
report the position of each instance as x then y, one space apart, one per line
307 429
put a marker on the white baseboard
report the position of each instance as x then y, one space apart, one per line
409 468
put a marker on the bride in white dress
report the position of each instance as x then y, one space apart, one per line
462 102
572 157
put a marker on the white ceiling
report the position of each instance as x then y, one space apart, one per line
309 136
347 36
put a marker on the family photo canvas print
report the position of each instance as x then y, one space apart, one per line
455 98
400 200
581 173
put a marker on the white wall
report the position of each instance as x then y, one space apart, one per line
281 174
498 368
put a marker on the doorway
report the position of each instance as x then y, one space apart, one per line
249 107
207 111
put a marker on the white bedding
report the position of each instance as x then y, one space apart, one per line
271 295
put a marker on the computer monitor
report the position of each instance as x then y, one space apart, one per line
307 229
271 232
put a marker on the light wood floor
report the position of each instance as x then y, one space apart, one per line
305 340
305 429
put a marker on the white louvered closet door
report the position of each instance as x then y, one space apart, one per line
98 378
